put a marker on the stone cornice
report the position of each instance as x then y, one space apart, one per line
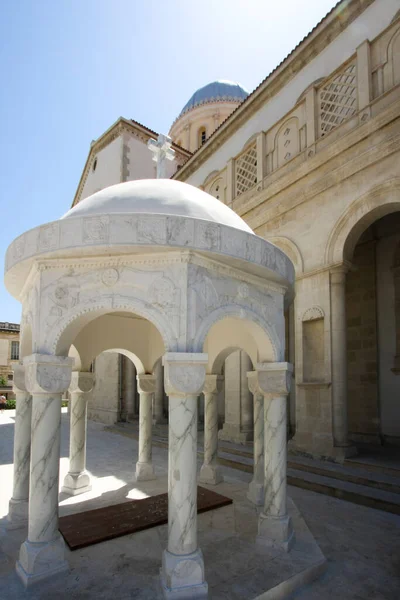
337 20
115 234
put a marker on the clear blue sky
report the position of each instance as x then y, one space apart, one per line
70 68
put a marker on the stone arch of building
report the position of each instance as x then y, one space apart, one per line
119 333
234 327
378 202
66 330
218 361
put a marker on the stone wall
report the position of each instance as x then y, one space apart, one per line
103 405
362 365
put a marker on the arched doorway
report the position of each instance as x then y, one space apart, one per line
373 333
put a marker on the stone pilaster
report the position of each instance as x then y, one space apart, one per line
42 554
273 382
256 487
339 362
77 480
182 573
144 466
210 471
19 503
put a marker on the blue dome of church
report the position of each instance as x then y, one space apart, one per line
217 90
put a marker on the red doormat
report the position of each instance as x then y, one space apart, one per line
101 524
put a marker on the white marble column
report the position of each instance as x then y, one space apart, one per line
182 573
77 480
274 525
158 412
42 554
18 505
144 466
256 487
210 471
339 360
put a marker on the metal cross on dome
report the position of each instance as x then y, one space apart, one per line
162 152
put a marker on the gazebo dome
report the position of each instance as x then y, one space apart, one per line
158 196
216 91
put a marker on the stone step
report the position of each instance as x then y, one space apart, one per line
352 482
344 490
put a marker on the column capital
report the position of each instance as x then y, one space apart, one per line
338 272
146 383
81 382
271 379
184 373
47 374
19 384
212 384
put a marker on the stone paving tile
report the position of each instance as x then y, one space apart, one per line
361 544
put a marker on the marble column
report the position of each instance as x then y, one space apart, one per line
42 554
144 466
182 573
77 480
339 360
210 471
274 525
18 505
256 487
158 412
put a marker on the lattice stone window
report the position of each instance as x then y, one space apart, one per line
246 170
14 350
338 99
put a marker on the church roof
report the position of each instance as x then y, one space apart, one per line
216 91
158 197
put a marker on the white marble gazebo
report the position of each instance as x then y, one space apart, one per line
150 268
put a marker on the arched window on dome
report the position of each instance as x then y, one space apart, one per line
202 136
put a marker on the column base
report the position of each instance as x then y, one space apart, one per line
210 474
41 561
76 483
17 514
233 433
145 472
182 576
275 531
256 493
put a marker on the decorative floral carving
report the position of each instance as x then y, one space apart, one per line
184 379
48 237
110 277
96 229
313 313
243 290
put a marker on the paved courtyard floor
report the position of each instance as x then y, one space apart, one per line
361 545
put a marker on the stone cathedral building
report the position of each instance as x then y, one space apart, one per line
310 160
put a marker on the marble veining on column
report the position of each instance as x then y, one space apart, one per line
18 506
